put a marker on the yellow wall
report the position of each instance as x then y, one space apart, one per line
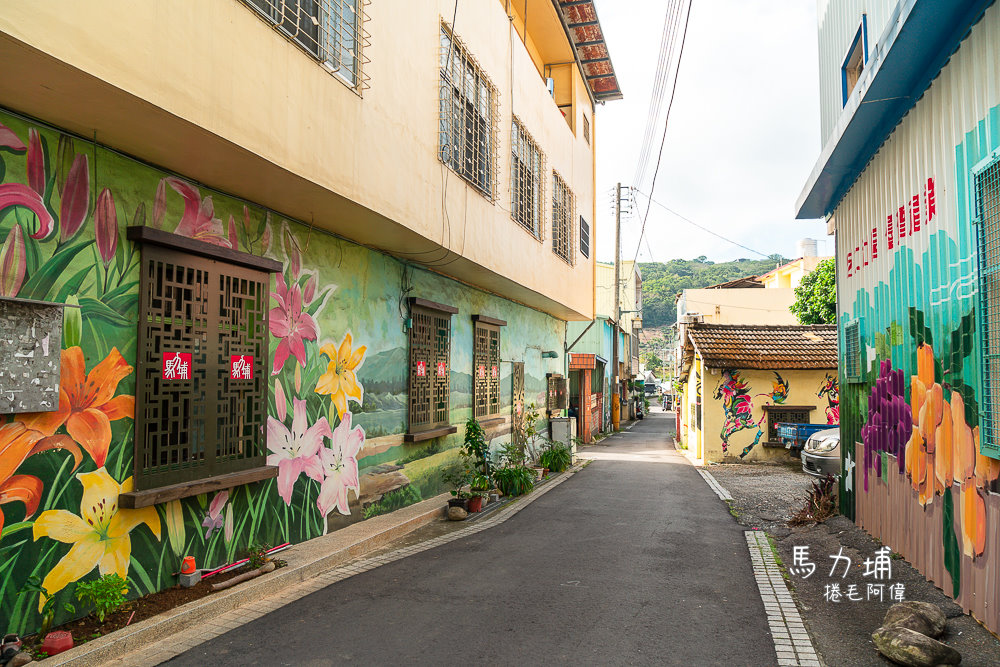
803 386
210 90
689 433
791 274
740 306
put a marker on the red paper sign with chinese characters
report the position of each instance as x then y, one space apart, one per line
421 369
240 367
441 369
481 371
176 365
496 372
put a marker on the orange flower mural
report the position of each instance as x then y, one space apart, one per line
944 449
87 404
17 443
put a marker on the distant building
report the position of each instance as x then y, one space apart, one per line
908 181
591 348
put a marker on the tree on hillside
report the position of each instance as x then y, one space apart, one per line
816 295
653 362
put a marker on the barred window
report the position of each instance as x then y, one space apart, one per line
586 128
563 207
852 351
526 168
584 238
202 367
430 370
467 127
987 184
486 366
332 31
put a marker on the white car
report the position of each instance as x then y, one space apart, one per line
821 454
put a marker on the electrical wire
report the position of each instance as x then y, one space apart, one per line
695 224
666 124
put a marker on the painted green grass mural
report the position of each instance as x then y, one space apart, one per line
337 400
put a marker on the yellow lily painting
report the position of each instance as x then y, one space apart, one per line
99 535
340 381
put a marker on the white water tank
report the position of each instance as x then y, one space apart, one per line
806 247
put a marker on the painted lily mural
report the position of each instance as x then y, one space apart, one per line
337 353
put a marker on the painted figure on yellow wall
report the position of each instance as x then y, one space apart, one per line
737 403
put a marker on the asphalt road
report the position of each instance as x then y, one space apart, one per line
632 561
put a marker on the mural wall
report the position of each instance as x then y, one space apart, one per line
734 412
921 483
339 360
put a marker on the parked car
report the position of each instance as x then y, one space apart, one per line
821 455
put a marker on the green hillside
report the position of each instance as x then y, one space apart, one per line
661 281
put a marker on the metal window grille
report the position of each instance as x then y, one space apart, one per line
527 164
584 238
207 424
430 366
987 184
852 351
331 31
468 106
789 415
563 208
586 128
486 369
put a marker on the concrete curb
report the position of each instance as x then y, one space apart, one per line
305 560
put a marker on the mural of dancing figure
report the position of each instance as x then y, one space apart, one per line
738 404
831 387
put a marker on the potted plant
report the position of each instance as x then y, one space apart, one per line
556 457
514 477
478 487
458 478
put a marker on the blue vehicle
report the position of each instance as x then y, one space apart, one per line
794 436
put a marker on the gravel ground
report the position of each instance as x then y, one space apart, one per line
765 496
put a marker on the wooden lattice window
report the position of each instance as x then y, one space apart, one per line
202 367
430 370
517 401
486 366
558 393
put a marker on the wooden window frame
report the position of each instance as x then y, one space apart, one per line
204 465
486 357
423 390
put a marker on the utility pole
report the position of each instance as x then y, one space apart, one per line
616 382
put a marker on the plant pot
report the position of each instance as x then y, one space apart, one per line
476 504
495 497
459 502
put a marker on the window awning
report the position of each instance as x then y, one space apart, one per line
919 39
579 17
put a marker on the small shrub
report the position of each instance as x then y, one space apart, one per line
257 555
515 480
556 458
821 503
106 594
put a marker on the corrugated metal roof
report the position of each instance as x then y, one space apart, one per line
580 19
764 347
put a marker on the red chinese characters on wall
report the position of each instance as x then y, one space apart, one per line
240 367
441 369
906 220
421 369
176 366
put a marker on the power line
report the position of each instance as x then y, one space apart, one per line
666 124
695 224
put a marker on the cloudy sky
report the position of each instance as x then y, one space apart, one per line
743 135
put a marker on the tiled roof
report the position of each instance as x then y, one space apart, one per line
742 283
765 347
